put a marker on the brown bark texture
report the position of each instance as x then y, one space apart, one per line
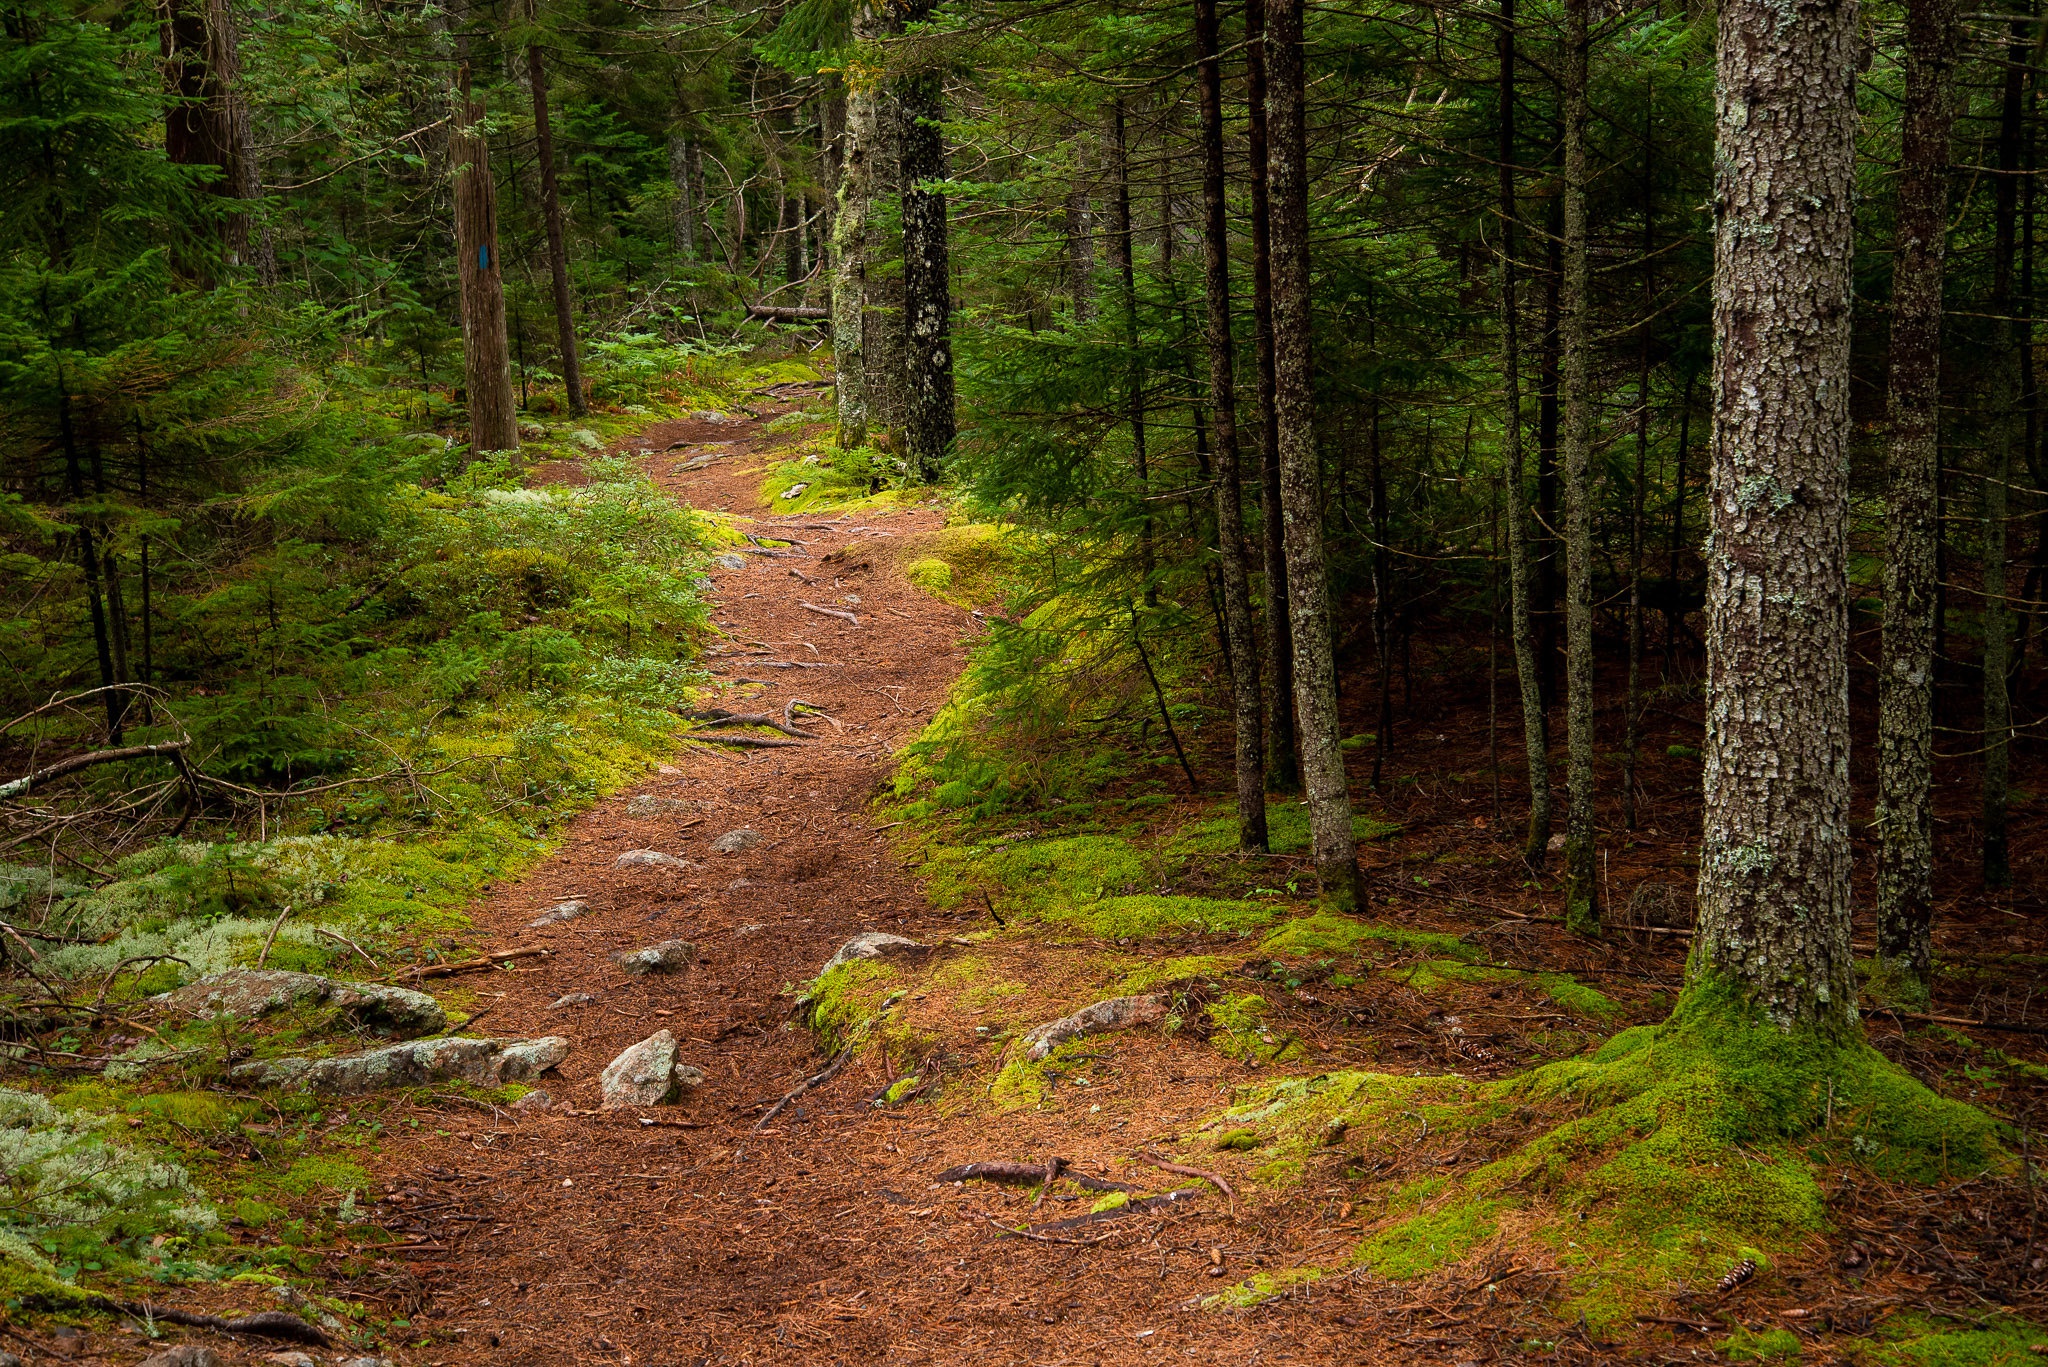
1581 881
1775 849
558 252
487 359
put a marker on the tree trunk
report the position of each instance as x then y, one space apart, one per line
1581 879
1081 250
849 251
487 357
1308 588
208 124
1125 243
1775 848
558 253
1632 737
2008 426
928 423
1283 765
1905 681
1237 601
683 225
1521 573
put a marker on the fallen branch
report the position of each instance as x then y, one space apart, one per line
271 938
722 718
817 1079
745 742
840 613
337 935
788 313
1183 1170
269 1324
28 783
2010 1027
801 575
1011 1174
1036 1237
488 961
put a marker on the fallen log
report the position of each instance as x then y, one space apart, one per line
788 313
28 783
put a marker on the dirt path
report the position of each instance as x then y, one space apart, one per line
599 1237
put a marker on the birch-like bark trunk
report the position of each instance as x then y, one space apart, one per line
1301 504
1775 848
849 243
1905 685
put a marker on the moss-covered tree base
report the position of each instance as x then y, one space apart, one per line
1649 1167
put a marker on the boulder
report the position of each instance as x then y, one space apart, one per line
252 992
558 913
647 1074
649 859
670 956
732 842
874 944
483 1062
730 561
1117 1013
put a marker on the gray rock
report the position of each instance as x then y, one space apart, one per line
874 944
558 913
292 1358
484 1062
184 1355
305 1305
647 1075
568 999
252 992
533 1103
730 561
9 1360
670 956
739 885
363 1362
732 842
649 859
706 415
647 804
1117 1013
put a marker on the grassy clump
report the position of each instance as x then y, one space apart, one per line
1663 1158
1919 1341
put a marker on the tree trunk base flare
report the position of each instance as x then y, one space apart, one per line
1669 1156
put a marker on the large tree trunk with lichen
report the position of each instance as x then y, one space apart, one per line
487 358
1775 849
208 123
1581 899
1905 734
1237 600
928 421
1301 504
850 248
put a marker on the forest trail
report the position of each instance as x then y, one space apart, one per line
581 1235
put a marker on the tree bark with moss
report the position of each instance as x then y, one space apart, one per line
1775 849
1581 885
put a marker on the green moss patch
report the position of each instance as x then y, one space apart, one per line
1995 1341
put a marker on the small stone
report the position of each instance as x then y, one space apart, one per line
1115 1014
706 415
647 1074
184 1355
558 913
9 1360
739 885
291 1359
365 1362
732 842
873 944
648 859
568 999
750 929
533 1103
730 561
647 804
670 956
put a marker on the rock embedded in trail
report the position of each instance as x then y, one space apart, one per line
647 804
647 1074
874 944
732 842
252 992
558 913
534 1102
184 1355
670 956
484 1062
730 561
568 999
1117 1013
649 859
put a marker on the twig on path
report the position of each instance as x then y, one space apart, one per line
337 935
801 575
1183 1170
1036 1237
817 1079
789 713
840 613
488 961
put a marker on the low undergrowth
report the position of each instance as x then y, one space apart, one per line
1655 1164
